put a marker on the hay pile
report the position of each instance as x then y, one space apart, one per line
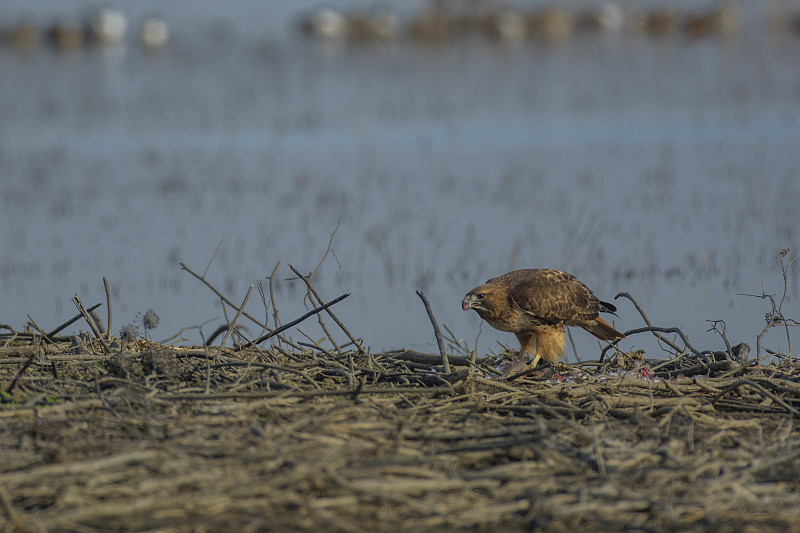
170 439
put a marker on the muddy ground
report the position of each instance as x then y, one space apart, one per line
144 437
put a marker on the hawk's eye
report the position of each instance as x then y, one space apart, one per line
480 296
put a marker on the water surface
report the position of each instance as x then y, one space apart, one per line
663 168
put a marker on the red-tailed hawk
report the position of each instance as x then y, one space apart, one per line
536 305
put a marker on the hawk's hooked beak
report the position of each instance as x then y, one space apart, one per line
469 301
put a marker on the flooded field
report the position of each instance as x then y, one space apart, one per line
659 160
664 167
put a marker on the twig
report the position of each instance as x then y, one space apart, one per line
232 361
496 384
231 304
71 321
658 367
295 322
655 330
57 358
785 272
572 343
315 345
169 339
46 336
527 371
216 333
330 313
324 326
722 334
316 300
232 325
108 303
635 304
424 358
82 310
770 316
212 257
219 294
10 509
439 341
775 316
99 323
77 301
307 393
327 251
263 296
272 295
359 388
100 395
464 348
21 371
208 363
613 344
759 388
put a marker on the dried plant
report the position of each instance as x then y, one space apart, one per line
775 317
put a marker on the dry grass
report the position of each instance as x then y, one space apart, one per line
166 439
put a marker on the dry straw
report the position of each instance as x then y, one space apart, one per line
291 436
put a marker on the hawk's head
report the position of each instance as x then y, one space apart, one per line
475 299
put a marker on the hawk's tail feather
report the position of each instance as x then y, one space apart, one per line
602 330
606 307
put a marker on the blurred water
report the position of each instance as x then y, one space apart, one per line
664 168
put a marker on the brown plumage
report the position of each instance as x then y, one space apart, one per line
536 305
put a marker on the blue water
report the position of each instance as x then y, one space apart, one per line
668 169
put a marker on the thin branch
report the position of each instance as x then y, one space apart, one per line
308 393
77 301
324 326
761 389
316 300
636 305
272 296
199 326
436 331
232 325
451 338
425 358
21 371
526 372
722 334
212 258
231 304
769 316
655 330
295 322
785 271
572 343
108 304
775 316
330 313
47 337
327 251
71 321
99 322
82 310
10 509
216 333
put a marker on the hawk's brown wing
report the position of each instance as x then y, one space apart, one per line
552 295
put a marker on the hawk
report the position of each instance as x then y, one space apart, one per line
536 305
